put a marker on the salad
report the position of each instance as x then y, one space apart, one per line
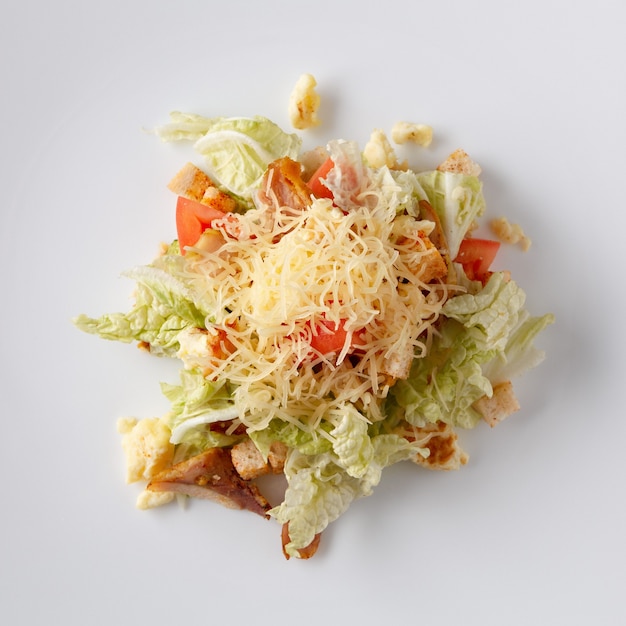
332 316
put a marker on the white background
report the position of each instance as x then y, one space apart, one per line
531 531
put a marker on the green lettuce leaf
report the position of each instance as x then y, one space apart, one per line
293 437
196 403
163 308
483 335
236 150
351 443
520 353
457 199
320 490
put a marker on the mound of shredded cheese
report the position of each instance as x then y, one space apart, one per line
286 276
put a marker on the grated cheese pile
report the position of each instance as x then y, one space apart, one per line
290 275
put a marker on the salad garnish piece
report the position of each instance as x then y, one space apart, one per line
332 315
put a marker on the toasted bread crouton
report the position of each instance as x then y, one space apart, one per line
397 366
192 183
432 265
277 456
422 257
248 460
501 404
459 162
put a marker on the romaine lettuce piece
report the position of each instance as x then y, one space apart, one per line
320 489
236 150
457 199
485 336
163 308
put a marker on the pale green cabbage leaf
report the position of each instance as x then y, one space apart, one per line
236 150
485 337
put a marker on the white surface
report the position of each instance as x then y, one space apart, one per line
531 531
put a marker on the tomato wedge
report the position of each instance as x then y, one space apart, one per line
330 338
476 256
192 219
315 183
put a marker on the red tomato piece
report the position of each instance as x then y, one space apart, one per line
192 219
476 256
315 183
330 338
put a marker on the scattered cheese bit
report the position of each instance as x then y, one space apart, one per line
151 499
510 233
378 151
147 446
403 132
304 103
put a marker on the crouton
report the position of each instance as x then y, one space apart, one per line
459 162
192 183
501 404
422 257
249 462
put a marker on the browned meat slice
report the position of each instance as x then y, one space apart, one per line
282 186
212 476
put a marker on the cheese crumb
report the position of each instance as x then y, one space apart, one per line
147 446
510 233
403 132
150 499
378 151
304 103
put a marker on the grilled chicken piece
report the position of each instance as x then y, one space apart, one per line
283 186
212 476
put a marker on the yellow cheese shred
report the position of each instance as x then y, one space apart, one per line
286 273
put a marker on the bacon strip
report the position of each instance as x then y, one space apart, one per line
212 476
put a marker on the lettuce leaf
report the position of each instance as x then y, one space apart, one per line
457 199
485 336
236 150
351 442
162 309
320 489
